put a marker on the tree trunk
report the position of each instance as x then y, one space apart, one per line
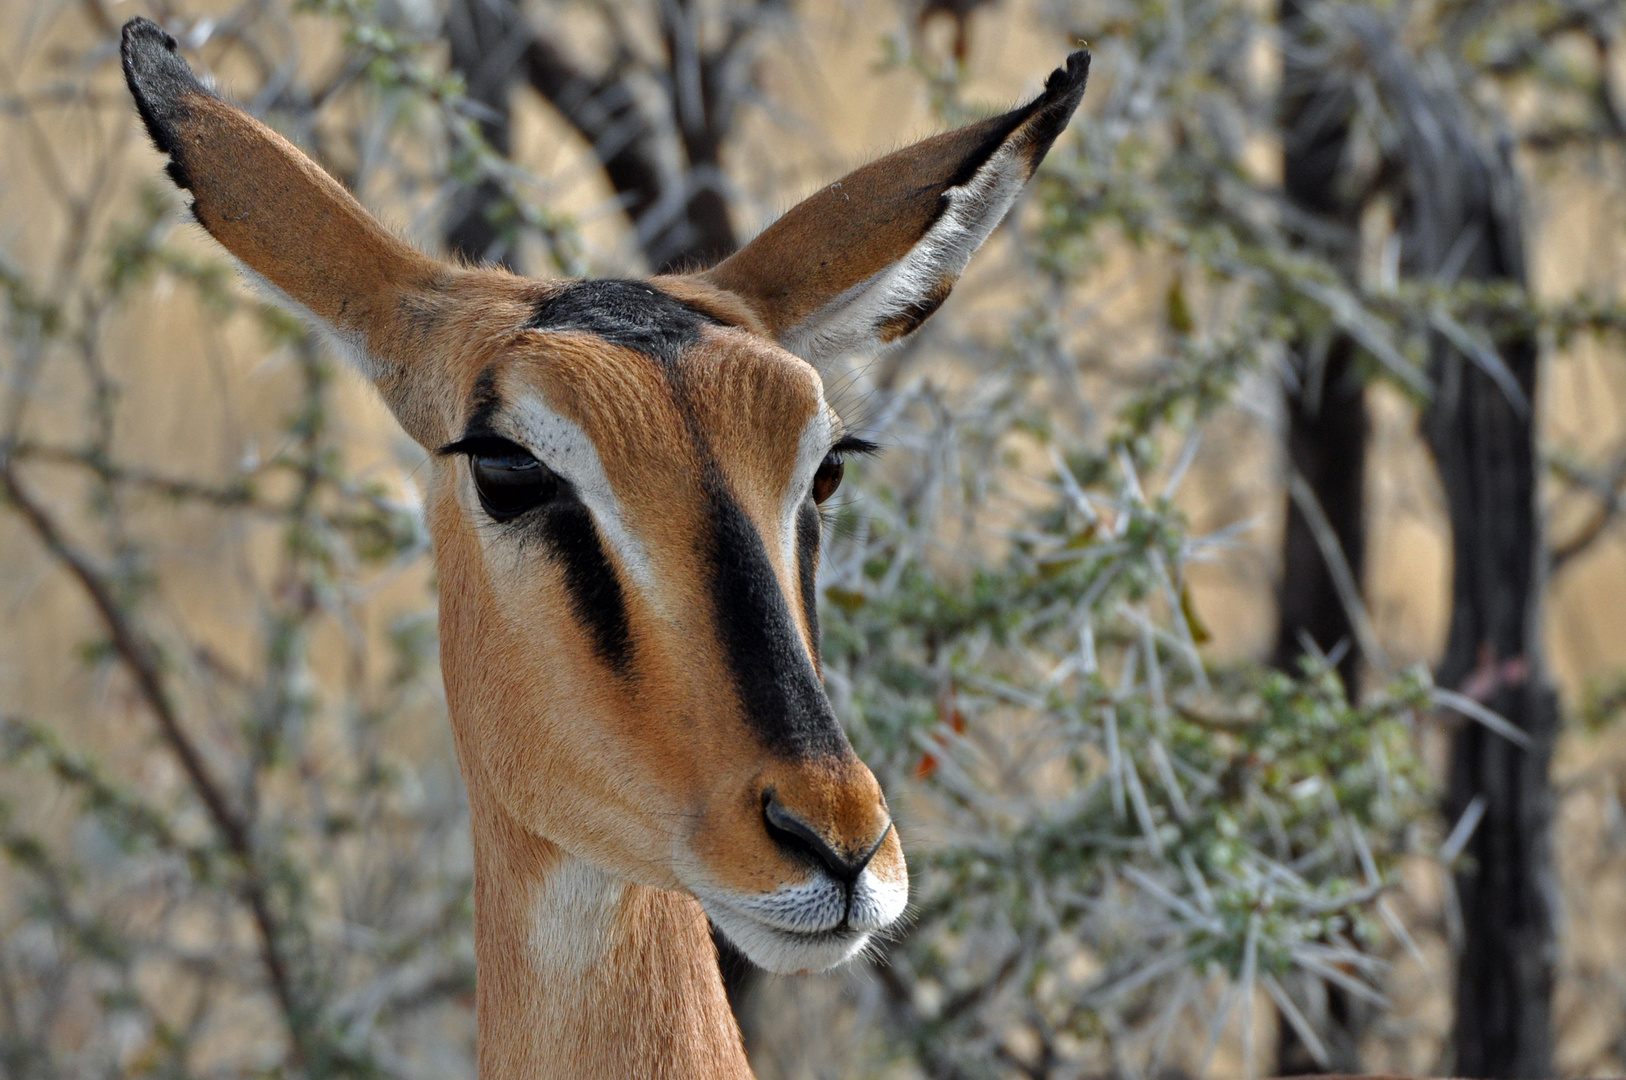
1485 449
679 214
1326 444
485 43
1325 402
1487 461
1326 409
1460 221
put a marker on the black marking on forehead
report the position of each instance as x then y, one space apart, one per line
570 535
778 686
632 314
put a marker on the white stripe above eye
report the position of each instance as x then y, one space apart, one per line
810 453
562 445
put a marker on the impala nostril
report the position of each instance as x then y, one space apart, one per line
797 836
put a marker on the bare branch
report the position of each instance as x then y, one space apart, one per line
140 659
1609 488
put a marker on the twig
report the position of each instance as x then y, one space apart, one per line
140 659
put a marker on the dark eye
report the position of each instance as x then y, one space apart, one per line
511 481
828 478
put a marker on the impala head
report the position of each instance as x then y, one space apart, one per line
624 498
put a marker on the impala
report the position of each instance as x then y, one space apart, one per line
624 506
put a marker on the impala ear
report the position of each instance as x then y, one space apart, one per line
864 262
296 228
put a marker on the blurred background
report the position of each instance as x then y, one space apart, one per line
1236 615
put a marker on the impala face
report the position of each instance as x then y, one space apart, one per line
628 533
625 498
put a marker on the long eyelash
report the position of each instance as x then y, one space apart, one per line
852 444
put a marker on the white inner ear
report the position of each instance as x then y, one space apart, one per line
851 321
352 346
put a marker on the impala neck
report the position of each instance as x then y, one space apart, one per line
585 975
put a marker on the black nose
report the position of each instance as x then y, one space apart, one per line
793 834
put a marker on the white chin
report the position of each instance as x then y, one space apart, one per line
784 952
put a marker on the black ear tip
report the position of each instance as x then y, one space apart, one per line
160 81
144 43
153 65
142 28
1073 76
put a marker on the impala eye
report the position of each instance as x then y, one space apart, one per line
510 481
828 478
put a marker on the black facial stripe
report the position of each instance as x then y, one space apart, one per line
808 524
595 591
778 687
566 528
632 314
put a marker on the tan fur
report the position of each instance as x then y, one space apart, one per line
651 1003
602 800
748 394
